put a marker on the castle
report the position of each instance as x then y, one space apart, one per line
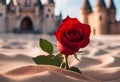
28 16
102 18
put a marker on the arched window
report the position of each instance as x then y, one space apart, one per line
49 10
47 16
100 18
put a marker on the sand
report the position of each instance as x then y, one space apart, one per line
99 63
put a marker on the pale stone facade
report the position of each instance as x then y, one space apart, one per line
26 16
102 18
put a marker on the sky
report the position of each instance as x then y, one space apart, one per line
72 7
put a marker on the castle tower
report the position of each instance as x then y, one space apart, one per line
38 8
2 8
11 6
40 5
17 9
2 16
85 11
112 11
49 9
101 18
48 16
112 20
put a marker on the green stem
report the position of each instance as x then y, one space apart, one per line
66 60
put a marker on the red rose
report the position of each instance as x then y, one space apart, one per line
72 35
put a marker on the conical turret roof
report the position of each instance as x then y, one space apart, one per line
40 4
86 5
51 1
111 5
100 3
11 2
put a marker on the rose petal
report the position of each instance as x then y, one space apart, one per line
66 50
86 30
67 43
84 42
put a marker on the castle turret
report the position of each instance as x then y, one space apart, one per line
11 7
2 8
85 11
2 15
111 5
100 6
112 11
38 7
48 15
49 9
100 3
101 17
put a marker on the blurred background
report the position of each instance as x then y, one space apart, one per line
44 16
69 7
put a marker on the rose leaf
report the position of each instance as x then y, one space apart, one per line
75 69
42 59
46 46
80 51
58 60
75 55
63 65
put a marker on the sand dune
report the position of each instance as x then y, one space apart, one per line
99 63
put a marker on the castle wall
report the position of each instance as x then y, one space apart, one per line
11 22
118 27
98 23
113 28
84 16
48 26
44 26
16 21
91 22
22 16
101 20
2 24
48 11
2 18
30 15
49 23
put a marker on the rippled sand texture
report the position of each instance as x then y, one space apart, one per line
99 63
